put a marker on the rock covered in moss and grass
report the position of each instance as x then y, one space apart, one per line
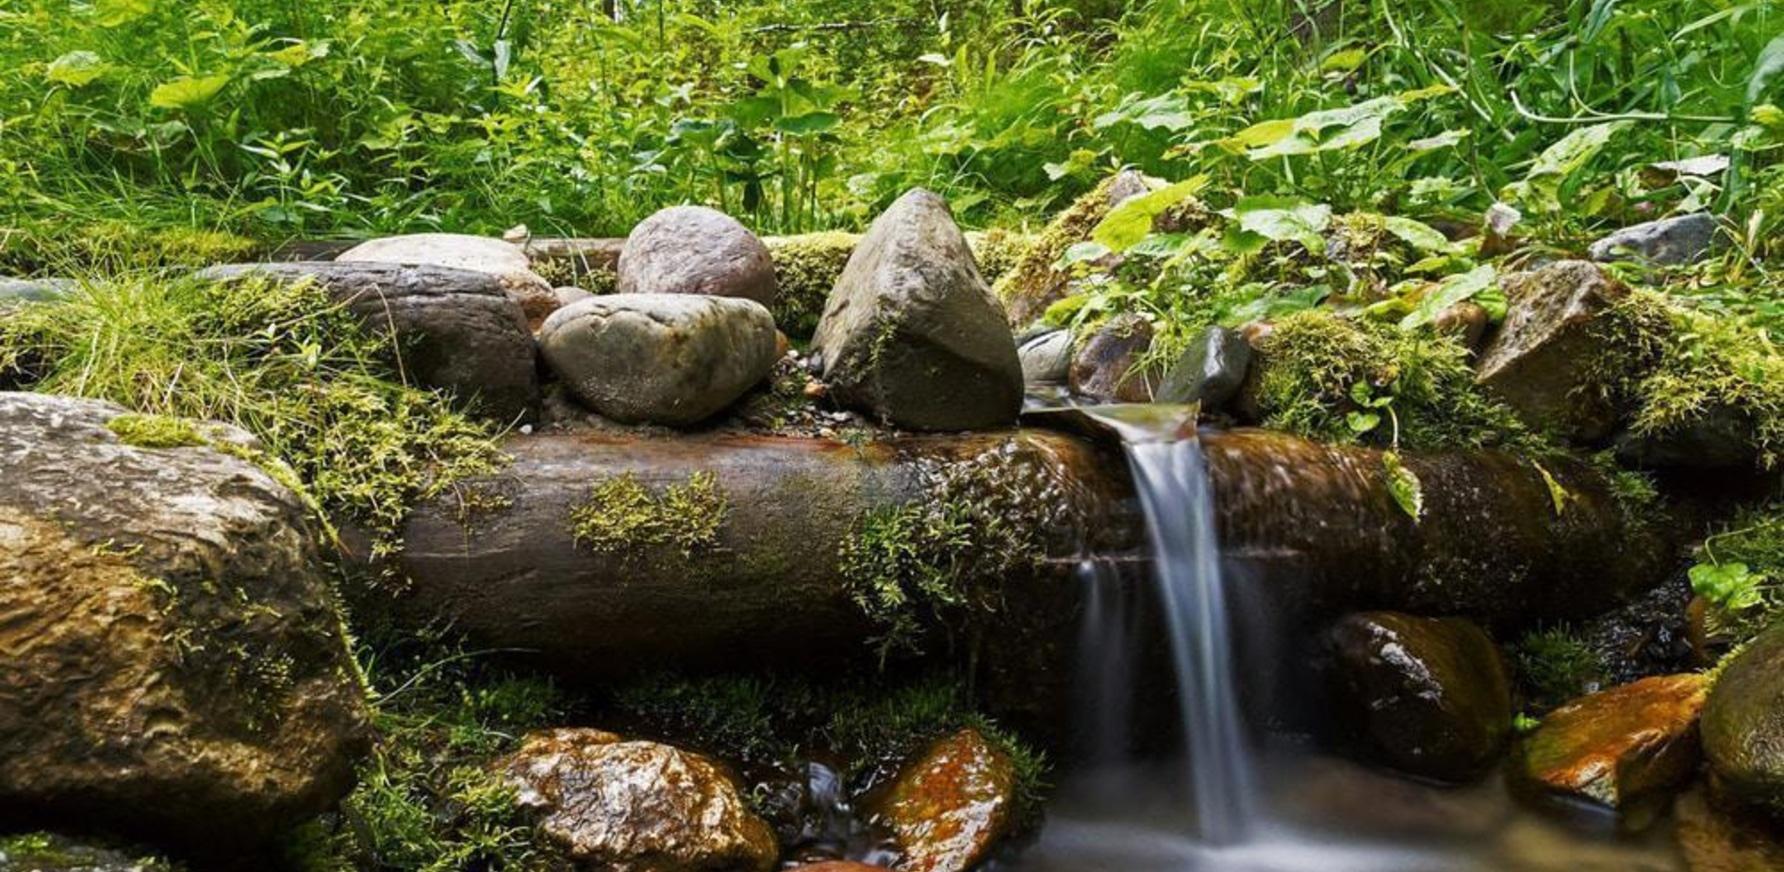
674 359
1111 364
615 805
911 334
1431 696
696 250
176 668
1211 372
1743 723
1675 241
455 329
1553 358
1619 746
504 260
951 806
1036 280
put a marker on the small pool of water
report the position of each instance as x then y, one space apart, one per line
1321 814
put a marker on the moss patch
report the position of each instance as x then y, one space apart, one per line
622 516
110 246
1035 281
1320 369
806 269
155 431
1556 666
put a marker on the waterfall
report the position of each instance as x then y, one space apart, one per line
1179 507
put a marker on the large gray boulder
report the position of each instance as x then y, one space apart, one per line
457 330
674 359
504 260
1541 361
631 806
696 250
911 333
171 660
1667 242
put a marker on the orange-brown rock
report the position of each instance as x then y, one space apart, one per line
628 806
950 806
1622 744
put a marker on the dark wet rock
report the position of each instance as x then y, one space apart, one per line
951 806
696 250
49 852
1707 645
34 290
1644 637
1210 372
1743 723
911 334
174 667
673 359
1717 838
1108 366
459 330
1619 746
1667 242
1429 695
1046 358
1467 321
1715 438
504 260
1540 360
629 806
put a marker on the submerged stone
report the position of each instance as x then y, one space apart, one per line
1430 696
911 334
1110 365
504 260
1541 361
171 661
614 805
1618 746
696 250
951 806
674 359
1667 242
1743 723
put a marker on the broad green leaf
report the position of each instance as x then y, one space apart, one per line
1326 130
1363 422
1168 112
1446 139
111 13
1732 586
1283 219
1130 222
1417 234
1765 68
1404 485
1450 291
187 92
75 69
1345 61
1083 252
809 123
1541 187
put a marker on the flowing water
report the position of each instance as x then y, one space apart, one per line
1224 807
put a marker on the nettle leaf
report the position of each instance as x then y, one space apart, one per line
1452 290
76 69
1129 223
1417 234
1404 485
187 92
1282 219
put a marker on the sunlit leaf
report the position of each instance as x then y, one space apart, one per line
1449 292
1130 222
1417 234
111 13
187 92
75 69
1766 67
1284 219
1404 485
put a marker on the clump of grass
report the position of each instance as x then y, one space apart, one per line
1320 367
622 516
113 246
1557 666
320 392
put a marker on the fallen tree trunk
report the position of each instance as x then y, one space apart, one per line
1310 530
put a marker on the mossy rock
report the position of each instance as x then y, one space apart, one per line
1743 723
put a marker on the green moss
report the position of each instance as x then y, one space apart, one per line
998 251
110 246
622 516
1024 287
155 431
1556 666
1317 364
806 268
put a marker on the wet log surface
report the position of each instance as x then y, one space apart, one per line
1310 531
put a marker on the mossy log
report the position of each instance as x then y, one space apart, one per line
1310 530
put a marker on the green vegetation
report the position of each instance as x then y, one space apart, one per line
1740 572
621 516
155 431
320 392
1555 667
